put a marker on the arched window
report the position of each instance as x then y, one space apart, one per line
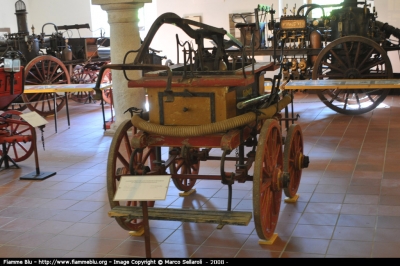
317 13
99 21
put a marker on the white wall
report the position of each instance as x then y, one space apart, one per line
388 11
59 12
7 15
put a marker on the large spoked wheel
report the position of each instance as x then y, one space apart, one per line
21 132
89 74
293 159
123 160
267 191
352 57
186 163
45 70
82 75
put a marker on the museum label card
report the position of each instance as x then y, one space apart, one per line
142 188
34 119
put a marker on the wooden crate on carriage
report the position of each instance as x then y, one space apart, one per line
201 100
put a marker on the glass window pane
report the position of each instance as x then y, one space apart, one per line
317 12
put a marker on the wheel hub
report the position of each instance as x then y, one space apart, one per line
298 162
277 180
352 74
301 161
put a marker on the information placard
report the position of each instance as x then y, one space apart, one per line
142 188
34 119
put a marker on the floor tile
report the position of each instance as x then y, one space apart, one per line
95 245
357 220
354 233
31 239
215 252
188 237
63 242
170 250
319 219
307 245
245 253
132 248
386 250
14 251
52 227
313 231
358 249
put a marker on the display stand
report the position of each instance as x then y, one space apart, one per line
146 228
6 158
35 120
37 175
65 88
143 189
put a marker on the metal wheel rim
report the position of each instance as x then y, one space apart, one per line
121 151
35 74
352 102
266 201
293 147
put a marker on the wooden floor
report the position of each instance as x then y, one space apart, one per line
349 203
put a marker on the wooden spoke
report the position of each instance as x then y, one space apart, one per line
293 159
45 69
185 163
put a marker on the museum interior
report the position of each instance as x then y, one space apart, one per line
199 129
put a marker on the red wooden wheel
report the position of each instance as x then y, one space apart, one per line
121 158
21 132
267 191
185 163
85 75
107 93
293 159
45 70
82 75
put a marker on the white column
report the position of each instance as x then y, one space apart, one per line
124 35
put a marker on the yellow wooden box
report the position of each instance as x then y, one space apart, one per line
199 100
192 106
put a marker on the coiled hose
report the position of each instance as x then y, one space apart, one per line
201 130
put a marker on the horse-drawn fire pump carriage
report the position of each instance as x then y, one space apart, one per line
209 102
